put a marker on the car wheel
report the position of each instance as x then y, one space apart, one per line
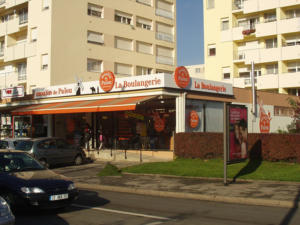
44 163
9 198
78 160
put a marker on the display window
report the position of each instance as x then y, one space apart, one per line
6 126
22 126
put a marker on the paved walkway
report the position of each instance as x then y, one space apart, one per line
267 193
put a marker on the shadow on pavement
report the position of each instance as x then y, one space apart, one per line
289 216
255 160
51 217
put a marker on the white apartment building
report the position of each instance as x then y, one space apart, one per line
52 42
266 32
197 71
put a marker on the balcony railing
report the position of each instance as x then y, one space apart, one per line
22 76
165 37
165 60
165 13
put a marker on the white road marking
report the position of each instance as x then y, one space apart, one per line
154 223
123 212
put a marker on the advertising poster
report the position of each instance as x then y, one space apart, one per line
238 133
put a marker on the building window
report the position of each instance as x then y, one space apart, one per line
270 17
272 69
165 55
123 17
45 4
144 23
123 43
143 47
164 9
1 48
123 69
94 65
226 73
292 40
94 37
210 4
293 67
164 32
23 16
45 62
145 2
22 69
271 43
143 70
225 24
95 10
33 34
283 111
293 13
211 50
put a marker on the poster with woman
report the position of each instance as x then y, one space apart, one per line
238 133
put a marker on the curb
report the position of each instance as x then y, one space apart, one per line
213 198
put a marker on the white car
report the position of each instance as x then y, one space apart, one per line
6 216
10 143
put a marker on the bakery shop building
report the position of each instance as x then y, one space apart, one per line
141 112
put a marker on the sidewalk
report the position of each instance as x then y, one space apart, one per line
266 193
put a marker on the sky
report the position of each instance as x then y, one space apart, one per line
189 32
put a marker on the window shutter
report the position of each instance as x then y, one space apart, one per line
144 47
123 43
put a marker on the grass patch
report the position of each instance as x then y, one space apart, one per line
110 170
277 171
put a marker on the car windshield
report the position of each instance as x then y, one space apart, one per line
24 145
18 161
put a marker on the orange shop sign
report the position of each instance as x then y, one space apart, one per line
193 119
107 81
182 77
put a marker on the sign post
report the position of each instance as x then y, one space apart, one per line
225 140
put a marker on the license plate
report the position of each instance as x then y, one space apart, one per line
58 197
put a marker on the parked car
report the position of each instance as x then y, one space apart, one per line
51 151
10 143
6 216
26 182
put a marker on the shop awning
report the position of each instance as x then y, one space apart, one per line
99 105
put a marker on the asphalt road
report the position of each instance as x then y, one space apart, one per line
112 208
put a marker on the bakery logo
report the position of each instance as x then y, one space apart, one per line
182 77
107 81
194 119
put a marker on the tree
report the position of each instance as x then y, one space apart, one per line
294 127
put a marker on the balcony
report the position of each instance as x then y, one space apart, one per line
258 55
145 2
164 13
237 6
165 60
289 25
13 3
242 82
251 6
268 81
285 3
8 78
289 80
20 51
165 37
290 52
266 29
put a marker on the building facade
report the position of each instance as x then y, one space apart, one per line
45 42
265 32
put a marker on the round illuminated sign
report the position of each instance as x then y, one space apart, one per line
159 125
107 80
194 119
182 77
